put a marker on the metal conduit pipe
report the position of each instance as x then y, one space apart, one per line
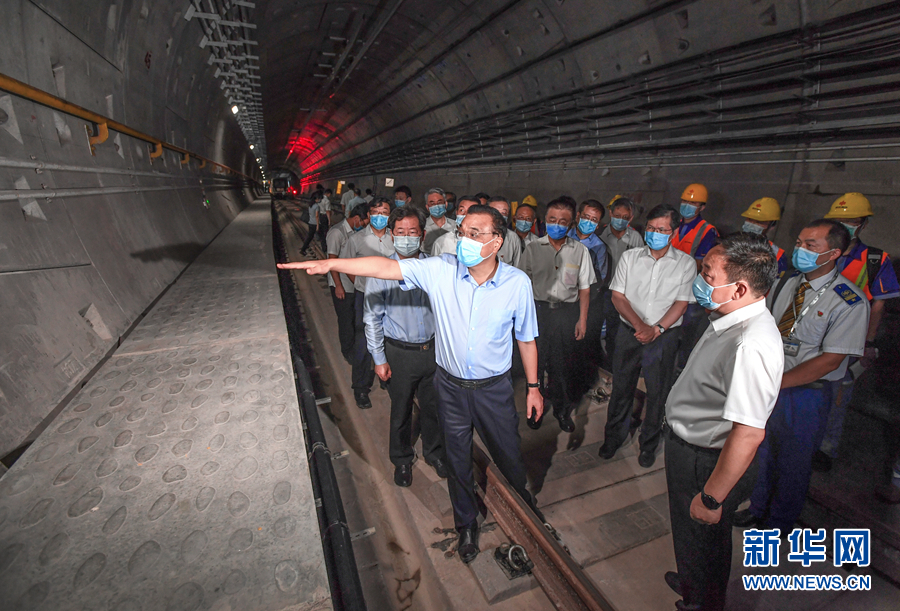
40 166
6 196
340 561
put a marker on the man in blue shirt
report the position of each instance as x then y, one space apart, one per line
477 302
400 337
590 213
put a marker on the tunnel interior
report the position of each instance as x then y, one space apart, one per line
205 101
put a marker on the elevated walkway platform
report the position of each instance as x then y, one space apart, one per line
177 478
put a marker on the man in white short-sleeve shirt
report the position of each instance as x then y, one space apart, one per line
342 291
651 290
717 412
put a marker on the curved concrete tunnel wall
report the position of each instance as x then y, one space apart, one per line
77 271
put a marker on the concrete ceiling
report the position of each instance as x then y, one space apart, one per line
346 81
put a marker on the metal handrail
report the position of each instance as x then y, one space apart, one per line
39 96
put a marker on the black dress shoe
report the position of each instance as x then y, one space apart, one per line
403 475
744 518
673 580
440 467
467 548
821 462
646 459
565 420
607 450
362 399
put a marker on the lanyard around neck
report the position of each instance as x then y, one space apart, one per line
809 304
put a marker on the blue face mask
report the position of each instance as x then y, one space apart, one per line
523 226
619 224
703 293
852 229
586 227
749 227
656 241
688 211
399 202
360 228
805 261
378 221
406 245
459 219
557 231
437 211
468 251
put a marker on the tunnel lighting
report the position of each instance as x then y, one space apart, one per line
234 109
251 147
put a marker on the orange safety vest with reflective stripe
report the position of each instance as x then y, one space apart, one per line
858 271
691 240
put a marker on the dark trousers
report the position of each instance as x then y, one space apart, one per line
345 309
363 375
613 322
322 232
657 361
490 410
556 352
702 551
412 375
793 434
310 234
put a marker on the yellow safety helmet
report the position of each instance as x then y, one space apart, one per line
530 201
764 209
694 193
850 206
613 200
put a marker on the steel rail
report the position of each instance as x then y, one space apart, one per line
38 96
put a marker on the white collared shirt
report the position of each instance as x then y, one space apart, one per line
366 244
335 239
837 323
733 375
557 275
510 250
652 286
444 245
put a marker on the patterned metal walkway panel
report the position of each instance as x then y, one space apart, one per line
177 478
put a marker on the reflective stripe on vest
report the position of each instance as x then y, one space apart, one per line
691 241
857 270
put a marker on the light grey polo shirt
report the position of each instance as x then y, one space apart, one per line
557 275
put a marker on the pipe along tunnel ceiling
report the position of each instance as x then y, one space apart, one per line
794 99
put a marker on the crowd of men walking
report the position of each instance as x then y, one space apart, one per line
747 353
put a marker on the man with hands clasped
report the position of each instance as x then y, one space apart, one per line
651 290
716 415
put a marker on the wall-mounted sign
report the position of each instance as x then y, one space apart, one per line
388 182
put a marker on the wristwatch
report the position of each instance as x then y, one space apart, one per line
661 328
535 385
709 502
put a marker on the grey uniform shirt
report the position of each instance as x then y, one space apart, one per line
617 246
510 250
345 199
325 205
444 245
733 375
528 239
433 232
366 244
836 323
652 286
557 275
335 240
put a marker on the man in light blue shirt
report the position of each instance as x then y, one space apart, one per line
400 338
477 302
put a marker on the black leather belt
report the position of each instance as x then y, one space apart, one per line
670 434
554 305
817 385
473 384
408 346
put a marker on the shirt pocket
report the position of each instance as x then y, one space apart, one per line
500 323
812 328
570 275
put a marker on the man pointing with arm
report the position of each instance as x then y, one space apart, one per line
477 302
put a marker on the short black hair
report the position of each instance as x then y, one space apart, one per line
482 195
565 204
378 201
403 212
749 257
521 206
665 210
837 237
468 198
368 191
357 191
350 185
450 194
499 223
498 198
328 191
571 200
403 189
360 210
624 202
317 196
592 203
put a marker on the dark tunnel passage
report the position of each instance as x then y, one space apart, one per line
153 451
